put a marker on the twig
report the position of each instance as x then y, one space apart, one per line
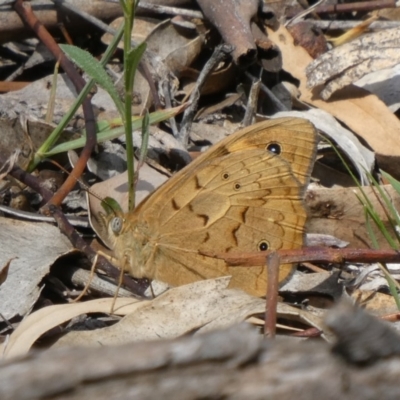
252 103
160 9
312 254
345 25
167 98
93 20
352 7
278 105
273 263
81 222
28 179
169 10
218 55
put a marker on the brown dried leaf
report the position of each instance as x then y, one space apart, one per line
338 212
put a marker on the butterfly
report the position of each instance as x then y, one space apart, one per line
244 194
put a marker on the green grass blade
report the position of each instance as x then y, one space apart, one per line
154 118
95 70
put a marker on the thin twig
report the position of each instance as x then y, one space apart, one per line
277 104
345 25
167 98
93 20
252 103
362 6
218 55
273 263
159 9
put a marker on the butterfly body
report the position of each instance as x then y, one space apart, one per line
237 197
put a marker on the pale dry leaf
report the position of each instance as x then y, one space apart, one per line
385 84
36 246
362 158
198 307
346 64
362 112
47 318
174 313
322 283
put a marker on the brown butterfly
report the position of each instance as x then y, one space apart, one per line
244 194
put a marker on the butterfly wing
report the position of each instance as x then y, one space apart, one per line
296 138
245 202
237 197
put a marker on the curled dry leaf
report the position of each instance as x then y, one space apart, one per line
346 64
45 319
201 307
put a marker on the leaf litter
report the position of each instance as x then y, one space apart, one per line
177 55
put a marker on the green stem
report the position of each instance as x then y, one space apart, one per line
129 11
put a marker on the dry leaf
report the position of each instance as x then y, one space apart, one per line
385 84
349 62
201 306
361 111
37 246
47 318
338 212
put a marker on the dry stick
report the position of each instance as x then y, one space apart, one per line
312 254
93 20
345 25
24 10
169 10
279 106
167 97
81 222
273 263
218 55
351 7
252 103
160 9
